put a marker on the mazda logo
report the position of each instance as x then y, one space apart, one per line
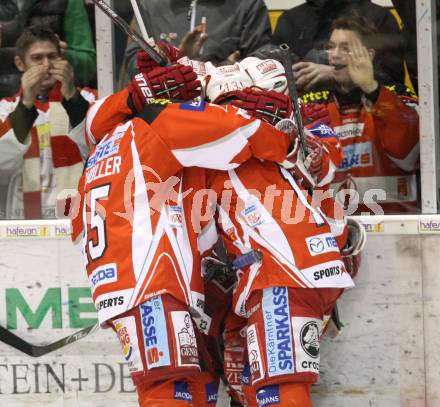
316 245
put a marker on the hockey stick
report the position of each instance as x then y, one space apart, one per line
132 34
11 339
141 23
286 60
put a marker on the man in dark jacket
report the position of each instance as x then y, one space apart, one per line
67 18
305 29
234 27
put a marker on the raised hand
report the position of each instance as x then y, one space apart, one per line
308 74
193 41
360 66
31 82
62 71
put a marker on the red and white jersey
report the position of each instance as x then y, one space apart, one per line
262 207
140 236
380 145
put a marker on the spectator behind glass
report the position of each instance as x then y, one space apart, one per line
235 28
67 18
377 127
37 159
306 29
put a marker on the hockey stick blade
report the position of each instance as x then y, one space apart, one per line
121 23
11 339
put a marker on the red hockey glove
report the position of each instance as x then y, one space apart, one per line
269 106
306 169
316 153
296 164
145 63
175 81
312 112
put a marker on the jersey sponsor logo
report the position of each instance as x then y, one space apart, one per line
175 216
105 149
256 365
203 320
349 130
246 375
356 155
127 333
327 272
232 234
310 339
124 338
195 106
110 302
321 130
268 396
181 391
105 274
320 244
154 331
278 331
306 333
252 216
233 371
211 393
185 338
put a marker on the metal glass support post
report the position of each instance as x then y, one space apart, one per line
105 52
428 102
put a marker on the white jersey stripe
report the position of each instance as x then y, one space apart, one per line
217 154
142 231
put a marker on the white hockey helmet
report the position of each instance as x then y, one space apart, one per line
266 73
224 79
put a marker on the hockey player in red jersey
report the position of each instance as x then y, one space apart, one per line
292 265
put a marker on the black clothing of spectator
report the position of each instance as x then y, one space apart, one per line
306 30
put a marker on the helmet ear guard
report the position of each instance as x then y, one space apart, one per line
267 74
